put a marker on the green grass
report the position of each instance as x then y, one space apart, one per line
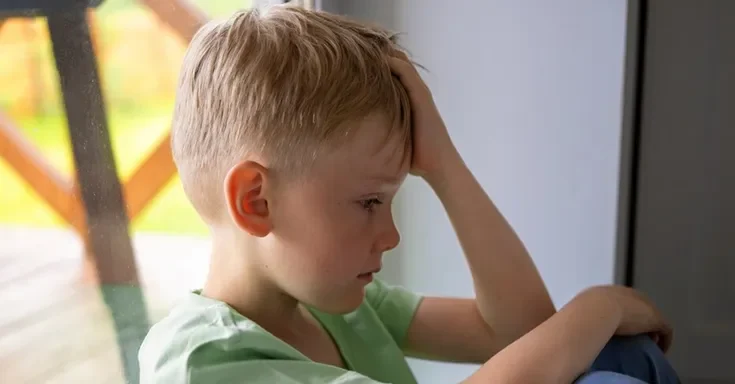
134 132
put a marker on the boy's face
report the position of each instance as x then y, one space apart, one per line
330 230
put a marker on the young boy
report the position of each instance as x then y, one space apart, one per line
292 133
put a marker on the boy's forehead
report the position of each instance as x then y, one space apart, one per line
369 154
373 145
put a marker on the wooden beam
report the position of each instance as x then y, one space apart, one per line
100 190
56 190
107 237
183 17
149 178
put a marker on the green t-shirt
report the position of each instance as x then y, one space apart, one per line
205 341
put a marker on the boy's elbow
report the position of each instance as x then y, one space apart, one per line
529 319
542 309
542 312
537 316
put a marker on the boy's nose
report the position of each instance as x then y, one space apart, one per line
388 239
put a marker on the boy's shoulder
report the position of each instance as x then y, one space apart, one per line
207 336
394 305
201 332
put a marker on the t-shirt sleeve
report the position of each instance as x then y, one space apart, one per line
275 371
395 306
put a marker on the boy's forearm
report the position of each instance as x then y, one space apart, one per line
558 350
510 293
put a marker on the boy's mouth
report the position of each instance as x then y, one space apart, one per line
365 277
368 276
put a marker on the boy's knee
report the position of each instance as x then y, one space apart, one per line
640 345
636 356
603 377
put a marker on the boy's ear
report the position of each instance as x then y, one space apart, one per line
246 200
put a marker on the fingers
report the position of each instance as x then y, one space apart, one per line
402 68
655 337
408 75
401 55
665 334
665 340
398 65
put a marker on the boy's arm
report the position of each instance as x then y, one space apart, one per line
561 348
511 298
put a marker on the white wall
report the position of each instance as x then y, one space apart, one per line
531 93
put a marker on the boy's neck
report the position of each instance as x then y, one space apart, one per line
235 279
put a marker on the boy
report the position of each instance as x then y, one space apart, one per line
292 133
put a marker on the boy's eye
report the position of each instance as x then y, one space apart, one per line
369 204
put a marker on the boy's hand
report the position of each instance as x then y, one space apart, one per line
639 315
432 146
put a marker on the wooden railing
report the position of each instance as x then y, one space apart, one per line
61 193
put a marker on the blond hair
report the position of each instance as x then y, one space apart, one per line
281 83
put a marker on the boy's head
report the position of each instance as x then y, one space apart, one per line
290 128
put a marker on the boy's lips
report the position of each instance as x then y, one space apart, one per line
365 277
370 272
368 275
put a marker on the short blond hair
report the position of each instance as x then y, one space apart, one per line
281 83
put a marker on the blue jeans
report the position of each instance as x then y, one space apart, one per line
630 360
